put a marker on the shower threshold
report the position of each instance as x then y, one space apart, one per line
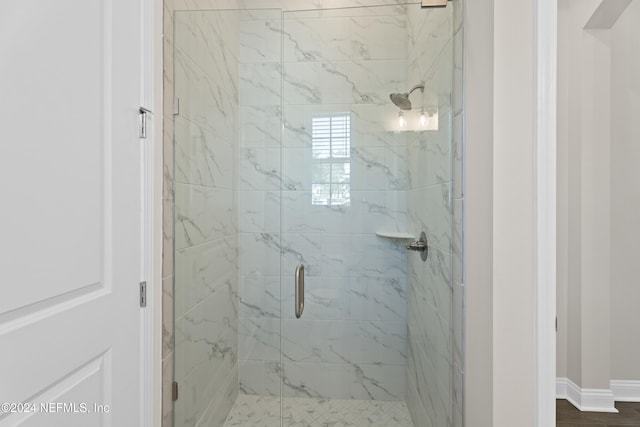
264 411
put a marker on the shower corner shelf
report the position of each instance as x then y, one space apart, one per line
395 235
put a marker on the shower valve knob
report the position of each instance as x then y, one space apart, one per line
417 245
421 245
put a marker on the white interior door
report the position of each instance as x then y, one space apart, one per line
69 212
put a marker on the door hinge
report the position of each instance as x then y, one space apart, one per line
556 324
143 294
174 391
144 116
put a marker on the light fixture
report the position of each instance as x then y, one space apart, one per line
423 118
402 123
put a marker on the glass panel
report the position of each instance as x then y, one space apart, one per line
374 340
227 196
300 136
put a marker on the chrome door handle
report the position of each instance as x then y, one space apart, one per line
299 290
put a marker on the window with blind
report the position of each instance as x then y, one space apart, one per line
331 153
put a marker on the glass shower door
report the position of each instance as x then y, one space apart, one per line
361 177
319 139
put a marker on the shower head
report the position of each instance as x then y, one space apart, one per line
401 100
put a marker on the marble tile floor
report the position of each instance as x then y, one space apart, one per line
264 411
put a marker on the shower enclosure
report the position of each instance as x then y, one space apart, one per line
289 152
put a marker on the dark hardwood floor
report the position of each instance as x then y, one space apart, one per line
568 416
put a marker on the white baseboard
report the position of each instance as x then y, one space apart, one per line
561 388
626 391
586 399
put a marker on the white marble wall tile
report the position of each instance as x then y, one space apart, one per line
259 211
260 126
379 168
457 251
372 125
429 31
209 38
344 342
203 214
167 391
296 169
315 83
167 237
317 380
168 153
261 39
431 281
458 154
372 382
364 7
202 158
371 81
167 223
167 316
259 169
433 399
259 339
344 381
260 83
368 212
375 125
457 325
222 393
343 255
260 377
458 58
430 154
257 9
371 168
415 405
188 33
259 254
431 343
430 210
208 333
326 298
259 297
379 37
458 14
298 121
202 269
264 411
205 98
382 298
206 81
438 79
342 82
167 54
316 39
457 404
185 408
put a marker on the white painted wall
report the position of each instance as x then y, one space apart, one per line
478 213
598 202
583 200
499 230
513 196
625 195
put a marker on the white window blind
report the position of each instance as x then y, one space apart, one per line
331 153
